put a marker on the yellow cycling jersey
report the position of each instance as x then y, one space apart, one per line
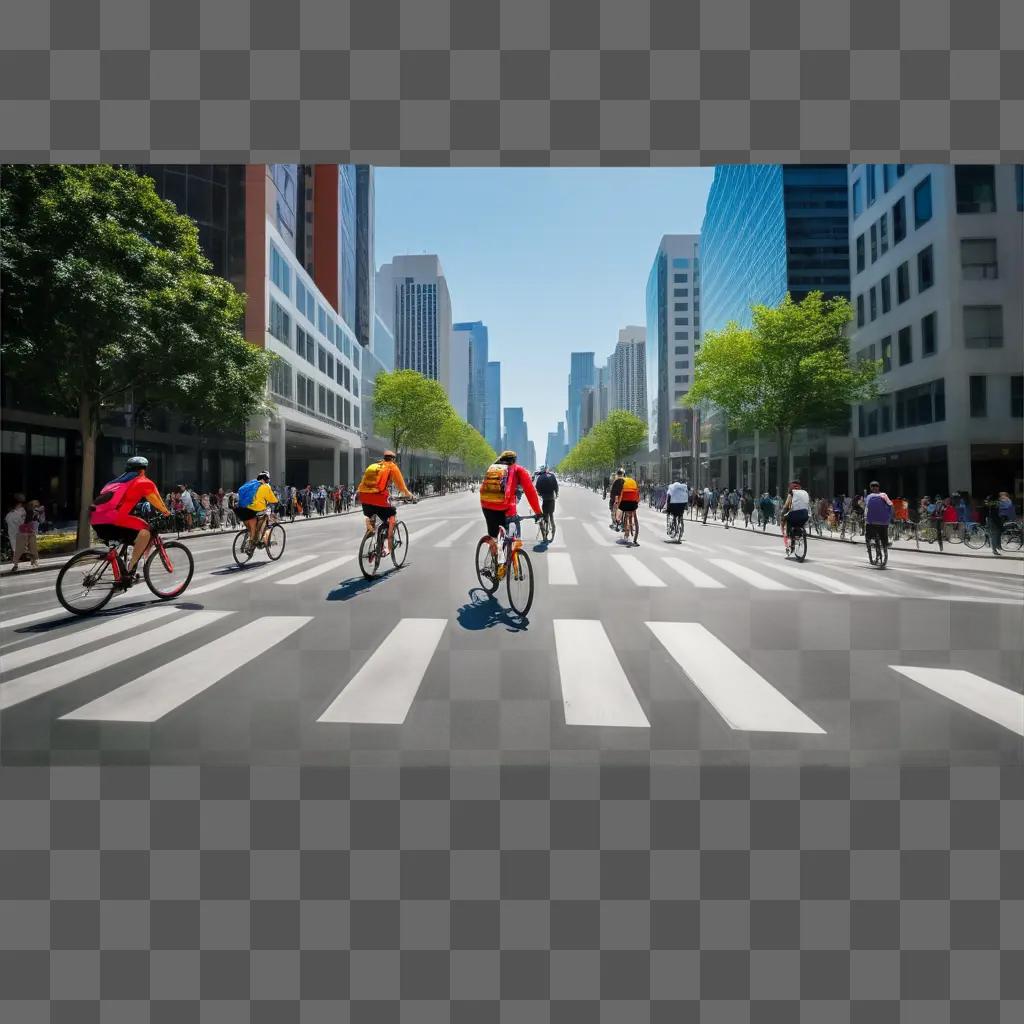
264 497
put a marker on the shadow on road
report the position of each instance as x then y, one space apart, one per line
483 611
358 585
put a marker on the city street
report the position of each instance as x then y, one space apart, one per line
712 651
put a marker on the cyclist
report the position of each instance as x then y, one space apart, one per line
796 509
111 515
498 498
678 499
546 484
628 502
255 497
374 497
877 512
613 497
767 509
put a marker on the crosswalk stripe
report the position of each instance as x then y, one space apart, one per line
954 581
692 575
637 571
108 627
416 533
15 691
997 703
265 573
597 536
560 570
687 543
595 690
317 570
383 690
24 620
24 593
818 578
751 576
740 695
453 537
155 694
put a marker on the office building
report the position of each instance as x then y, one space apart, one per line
475 334
557 449
492 406
589 410
627 372
581 375
516 437
937 266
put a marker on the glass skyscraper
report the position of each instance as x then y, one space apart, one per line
582 375
476 402
492 406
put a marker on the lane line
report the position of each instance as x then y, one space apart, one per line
47 613
751 576
234 577
744 698
382 691
595 690
155 694
560 570
317 570
597 537
692 575
69 641
15 691
637 571
997 703
416 534
25 593
820 579
452 537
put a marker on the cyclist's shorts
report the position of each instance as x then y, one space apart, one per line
796 517
879 530
245 514
676 508
495 518
118 534
383 512
628 506
548 506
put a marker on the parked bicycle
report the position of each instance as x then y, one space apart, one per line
91 577
517 570
270 537
372 545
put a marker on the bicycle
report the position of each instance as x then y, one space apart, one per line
976 536
1012 537
373 543
546 525
270 536
84 585
517 569
629 519
674 526
878 551
794 540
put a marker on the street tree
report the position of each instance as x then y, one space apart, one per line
790 370
409 408
450 440
107 294
620 435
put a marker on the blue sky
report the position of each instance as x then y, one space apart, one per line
553 260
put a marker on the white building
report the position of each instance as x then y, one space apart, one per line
936 278
628 372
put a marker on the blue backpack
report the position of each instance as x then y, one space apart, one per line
247 493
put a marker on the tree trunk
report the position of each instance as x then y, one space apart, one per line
89 430
784 439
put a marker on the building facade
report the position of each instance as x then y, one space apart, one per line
516 437
476 401
556 450
627 370
582 375
492 406
937 265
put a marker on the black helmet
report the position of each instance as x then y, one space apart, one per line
137 462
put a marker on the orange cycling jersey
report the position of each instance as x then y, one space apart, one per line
375 491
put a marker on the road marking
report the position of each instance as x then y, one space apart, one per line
693 544
997 703
383 690
560 570
107 628
155 694
25 593
637 571
826 582
952 580
317 570
453 537
417 533
34 617
15 691
595 690
740 695
692 575
597 537
233 577
755 579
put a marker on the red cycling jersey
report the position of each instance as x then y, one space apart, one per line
125 493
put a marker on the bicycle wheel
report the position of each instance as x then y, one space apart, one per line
799 545
274 541
486 566
519 580
872 552
169 578
369 555
954 533
241 550
924 535
399 545
881 552
544 530
1011 539
976 537
86 583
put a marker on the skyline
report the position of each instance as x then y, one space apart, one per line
540 216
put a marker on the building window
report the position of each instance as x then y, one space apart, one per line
886 415
280 324
874 303
887 353
678 278
682 336
920 405
928 335
883 234
975 188
979 397
12 442
681 293
888 176
1017 396
281 379
866 354
682 350
925 270
874 242
347 385
858 200
322 362
923 202
901 169
983 326
978 258
906 346
681 261
903 282
280 272
869 171
860 310
300 295
682 307
899 221
886 295
860 253
322 399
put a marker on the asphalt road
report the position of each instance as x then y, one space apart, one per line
712 651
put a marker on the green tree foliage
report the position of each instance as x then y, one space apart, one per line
607 445
106 292
790 370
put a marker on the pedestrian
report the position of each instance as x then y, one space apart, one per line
25 539
14 518
187 504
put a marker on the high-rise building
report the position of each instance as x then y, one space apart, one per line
581 375
589 409
769 230
516 437
475 333
531 457
672 338
937 265
492 406
556 450
627 368
603 387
